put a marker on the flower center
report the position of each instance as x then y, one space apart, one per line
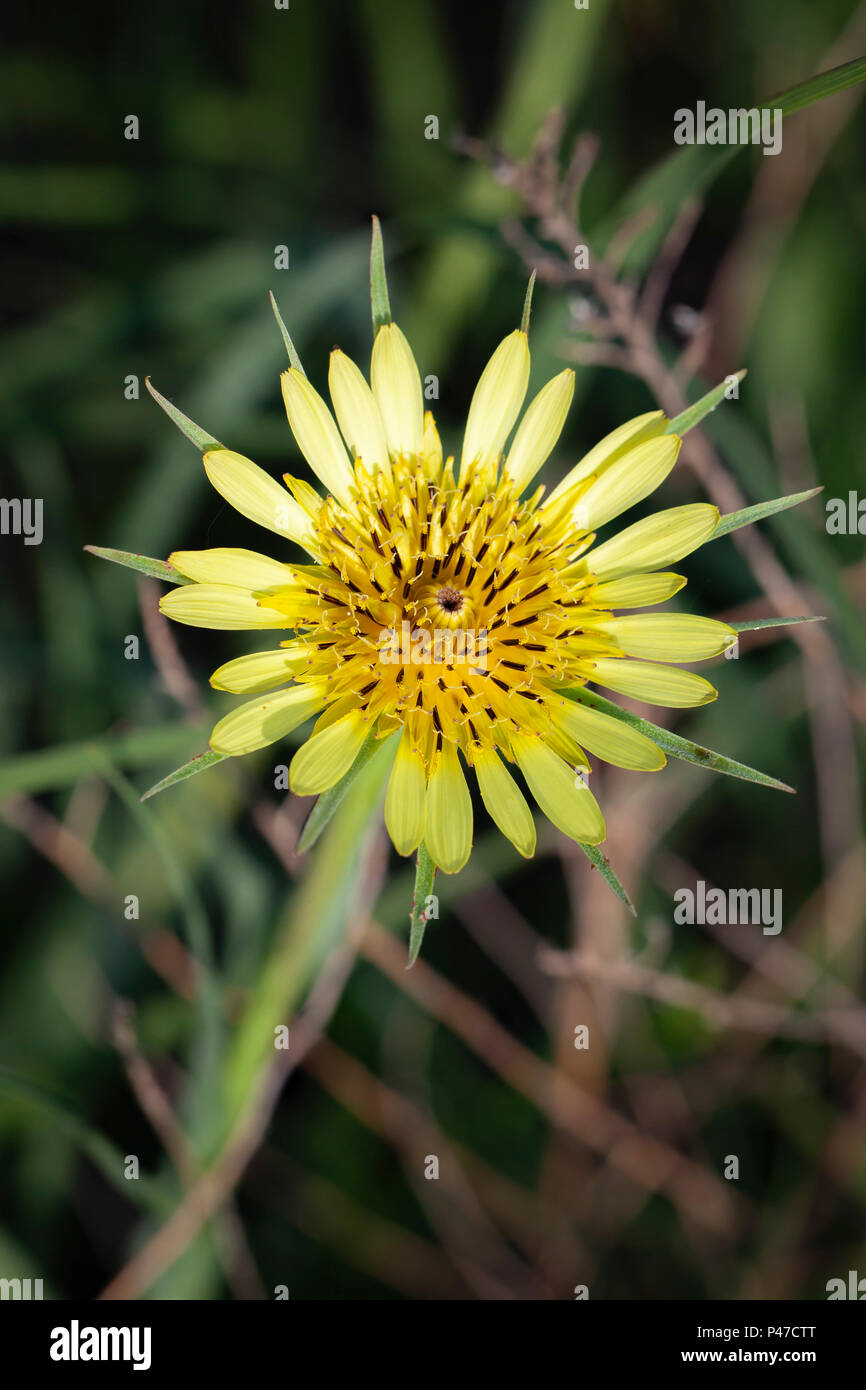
473 592
450 600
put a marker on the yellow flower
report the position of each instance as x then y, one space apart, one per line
452 606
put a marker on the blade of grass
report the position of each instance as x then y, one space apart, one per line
691 170
201 1108
145 1192
51 769
313 924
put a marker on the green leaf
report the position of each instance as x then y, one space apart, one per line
196 764
747 515
527 305
197 436
756 624
694 414
689 171
290 347
156 569
602 863
108 1160
201 1103
825 84
50 769
674 744
330 800
313 925
425 873
381 304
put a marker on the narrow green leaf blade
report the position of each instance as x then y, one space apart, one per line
379 300
147 1193
425 873
315 921
330 800
694 414
290 347
692 169
675 745
746 516
825 84
64 764
144 564
196 764
602 863
194 433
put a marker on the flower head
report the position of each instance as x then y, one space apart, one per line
453 605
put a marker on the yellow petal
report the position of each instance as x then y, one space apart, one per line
397 388
657 685
316 435
611 448
405 801
243 569
496 403
323 759
633 477
669 636
506 804
656 540
448 834
607 737
261 670
260 722
220 606
636 590
571 807
255 494
431 447
539 430
357 412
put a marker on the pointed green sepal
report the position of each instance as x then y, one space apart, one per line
194 433
674 744
155 569
694 414
527 305
758 624
602 863
379 301
425 873
197 764
290 347
747 515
